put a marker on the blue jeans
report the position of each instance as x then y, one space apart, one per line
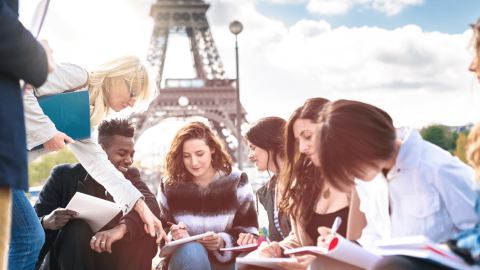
27 235
193 256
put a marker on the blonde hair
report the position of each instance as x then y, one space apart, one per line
473 150
129 68
475 43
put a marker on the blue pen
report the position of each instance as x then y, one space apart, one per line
266 235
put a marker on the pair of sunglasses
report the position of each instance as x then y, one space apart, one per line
132 93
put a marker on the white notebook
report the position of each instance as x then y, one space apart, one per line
169 248
95 211
265 262
342 250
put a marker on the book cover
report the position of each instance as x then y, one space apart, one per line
70 112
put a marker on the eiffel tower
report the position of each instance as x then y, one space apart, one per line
210 94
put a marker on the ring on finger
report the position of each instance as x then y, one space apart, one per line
94 238
102 242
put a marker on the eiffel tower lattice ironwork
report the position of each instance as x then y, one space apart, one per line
210 94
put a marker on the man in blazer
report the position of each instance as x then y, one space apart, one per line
21 57
70 243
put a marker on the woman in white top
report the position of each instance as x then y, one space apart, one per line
118 84
407 186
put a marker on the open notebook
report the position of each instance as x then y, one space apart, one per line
416 246
248 248
270 263
95 211
169 248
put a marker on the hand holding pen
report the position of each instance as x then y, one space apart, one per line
327 234
178 231
269 249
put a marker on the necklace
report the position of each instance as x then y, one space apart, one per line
326 193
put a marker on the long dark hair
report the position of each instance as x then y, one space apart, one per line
301 180
176 171
352 134
269 134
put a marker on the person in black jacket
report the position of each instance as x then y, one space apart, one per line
70 243
21 57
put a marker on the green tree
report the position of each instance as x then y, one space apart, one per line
461 151
451 142
435 135
39 171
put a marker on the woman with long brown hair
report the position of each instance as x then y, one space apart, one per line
407 186
306 197
202 192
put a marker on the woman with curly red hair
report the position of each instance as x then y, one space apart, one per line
202 192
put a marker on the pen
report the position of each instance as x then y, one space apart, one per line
171 224
336 225
266 235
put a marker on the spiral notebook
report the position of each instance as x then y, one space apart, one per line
70 112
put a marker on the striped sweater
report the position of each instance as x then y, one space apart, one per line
226 206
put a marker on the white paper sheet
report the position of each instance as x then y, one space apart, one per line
345 251
169 248
265 262
95 211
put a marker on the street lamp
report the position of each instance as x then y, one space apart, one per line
236 28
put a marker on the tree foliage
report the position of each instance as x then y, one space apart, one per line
461 150
436 135
39 171
453 142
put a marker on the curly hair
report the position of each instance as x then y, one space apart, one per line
175 170
108 128
301 179
473 150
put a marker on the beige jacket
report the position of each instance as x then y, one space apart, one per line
299 237
40 129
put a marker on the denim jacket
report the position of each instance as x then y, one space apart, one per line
470 239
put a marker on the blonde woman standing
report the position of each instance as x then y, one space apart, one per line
118 84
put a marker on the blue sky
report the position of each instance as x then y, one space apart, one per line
446 16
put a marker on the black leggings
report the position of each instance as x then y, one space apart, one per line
406 263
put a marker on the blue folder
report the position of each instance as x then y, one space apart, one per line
70 112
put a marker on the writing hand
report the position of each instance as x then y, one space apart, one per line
325 236
270 251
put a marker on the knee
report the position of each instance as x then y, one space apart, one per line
190 256
38 237
75 230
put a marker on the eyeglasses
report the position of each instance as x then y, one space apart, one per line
132 93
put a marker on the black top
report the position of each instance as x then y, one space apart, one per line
327 220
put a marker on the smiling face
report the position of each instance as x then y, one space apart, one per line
304 131
259 156
120 152
120 96
197 158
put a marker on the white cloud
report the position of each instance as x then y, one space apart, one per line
333 7
418 77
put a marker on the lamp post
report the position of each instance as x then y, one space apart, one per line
236 28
